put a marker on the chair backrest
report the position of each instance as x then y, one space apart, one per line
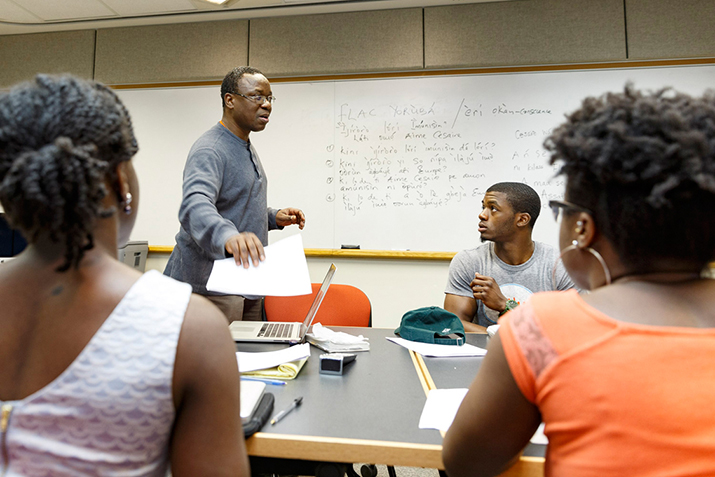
343 305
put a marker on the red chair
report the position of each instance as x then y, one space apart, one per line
343 305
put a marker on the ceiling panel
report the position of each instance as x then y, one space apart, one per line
10 11
67 9
34 16
128 8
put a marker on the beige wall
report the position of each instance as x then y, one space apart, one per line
670 28
393 286
23 56
533 32
338 43
164 53
524 33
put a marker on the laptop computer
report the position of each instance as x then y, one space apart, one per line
282 332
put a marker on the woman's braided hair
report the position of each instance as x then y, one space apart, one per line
644 163
60 139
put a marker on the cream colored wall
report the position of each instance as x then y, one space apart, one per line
393 286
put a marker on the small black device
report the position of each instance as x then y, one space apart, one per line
334 363
260 415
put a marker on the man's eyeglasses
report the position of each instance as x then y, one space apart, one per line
257 98
557 206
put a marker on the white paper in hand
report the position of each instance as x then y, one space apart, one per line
284 272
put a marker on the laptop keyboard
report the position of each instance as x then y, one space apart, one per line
275 330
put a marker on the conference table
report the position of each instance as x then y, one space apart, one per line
370 414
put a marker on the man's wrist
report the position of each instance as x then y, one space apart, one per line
509 305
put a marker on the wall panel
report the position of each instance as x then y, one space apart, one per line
524 33
386 40
670 29
23 56
161 53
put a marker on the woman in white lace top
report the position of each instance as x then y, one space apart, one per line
103 371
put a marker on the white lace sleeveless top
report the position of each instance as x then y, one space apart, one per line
110 412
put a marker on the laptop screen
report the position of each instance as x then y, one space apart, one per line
316 302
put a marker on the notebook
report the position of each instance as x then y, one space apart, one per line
251 394
282 332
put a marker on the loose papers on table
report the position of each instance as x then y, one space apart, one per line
438 350
442 405
269 359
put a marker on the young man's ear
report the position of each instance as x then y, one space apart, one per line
523 219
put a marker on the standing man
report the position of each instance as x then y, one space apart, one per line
224 210
487 281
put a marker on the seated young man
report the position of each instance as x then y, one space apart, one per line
489 280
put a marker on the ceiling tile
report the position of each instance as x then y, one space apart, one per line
147 7
67 9
12 12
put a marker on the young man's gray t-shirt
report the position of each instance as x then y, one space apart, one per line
517 282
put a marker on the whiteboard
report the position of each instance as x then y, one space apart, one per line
387 164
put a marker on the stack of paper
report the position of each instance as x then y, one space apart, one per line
441 408
282 364
284 371
439 350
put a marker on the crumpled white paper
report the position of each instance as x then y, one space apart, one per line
336 341
321 333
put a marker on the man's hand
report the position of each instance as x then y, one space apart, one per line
290 216
487 290
243 245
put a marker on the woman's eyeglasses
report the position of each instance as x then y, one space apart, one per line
557 206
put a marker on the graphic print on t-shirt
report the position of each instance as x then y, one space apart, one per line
512 291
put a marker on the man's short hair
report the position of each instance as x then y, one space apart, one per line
521 197
230 81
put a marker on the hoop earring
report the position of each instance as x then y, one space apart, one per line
127 203
574 246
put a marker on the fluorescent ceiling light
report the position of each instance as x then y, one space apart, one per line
217 2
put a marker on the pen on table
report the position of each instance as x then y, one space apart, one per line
274 382
285 412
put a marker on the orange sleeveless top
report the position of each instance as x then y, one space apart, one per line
616 398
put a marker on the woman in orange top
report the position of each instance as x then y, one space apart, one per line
623 377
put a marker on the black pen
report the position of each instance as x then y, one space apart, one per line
285 412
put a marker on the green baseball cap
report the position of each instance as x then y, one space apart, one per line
432 324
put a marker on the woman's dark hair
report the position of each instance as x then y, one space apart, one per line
644 163
60 138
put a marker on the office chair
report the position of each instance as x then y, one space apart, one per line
343 305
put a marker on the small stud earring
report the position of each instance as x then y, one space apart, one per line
127 203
